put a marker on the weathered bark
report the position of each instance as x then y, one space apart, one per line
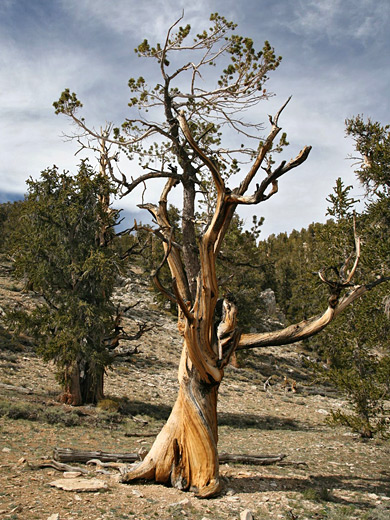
71 455
184 453
253 458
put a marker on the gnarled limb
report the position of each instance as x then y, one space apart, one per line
312 326
275 129
306 328
271 180
172 253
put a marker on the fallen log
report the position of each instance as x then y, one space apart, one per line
136 434
70 455
260 460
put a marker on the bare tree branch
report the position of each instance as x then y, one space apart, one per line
264 149
271 179
207 161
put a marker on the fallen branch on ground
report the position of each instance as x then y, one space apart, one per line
60 466
136 434
261 460
69 455
100 464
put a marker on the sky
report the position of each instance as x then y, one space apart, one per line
335 65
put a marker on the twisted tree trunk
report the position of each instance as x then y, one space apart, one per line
185 453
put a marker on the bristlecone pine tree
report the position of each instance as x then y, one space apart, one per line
188 114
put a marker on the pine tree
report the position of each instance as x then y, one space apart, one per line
58 250
187 113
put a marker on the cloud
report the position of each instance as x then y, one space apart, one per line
147 19
333 67
338 20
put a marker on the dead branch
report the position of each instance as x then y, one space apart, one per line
206 160
344 277
119 333
260 194
184 306
336 305
70 455
100 464
136 434
275 129
60 466
260 460
155 274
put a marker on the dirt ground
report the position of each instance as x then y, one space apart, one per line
327 473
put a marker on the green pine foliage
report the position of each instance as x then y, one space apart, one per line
8 222
241 272
58 250
354 350
372 143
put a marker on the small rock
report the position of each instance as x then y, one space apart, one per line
79 484
246 515
233 499
183 503
22 460
78 498
6 450
55 516
137 493
71 474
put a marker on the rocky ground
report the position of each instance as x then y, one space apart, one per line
327 473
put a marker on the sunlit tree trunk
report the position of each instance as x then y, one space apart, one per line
185 453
